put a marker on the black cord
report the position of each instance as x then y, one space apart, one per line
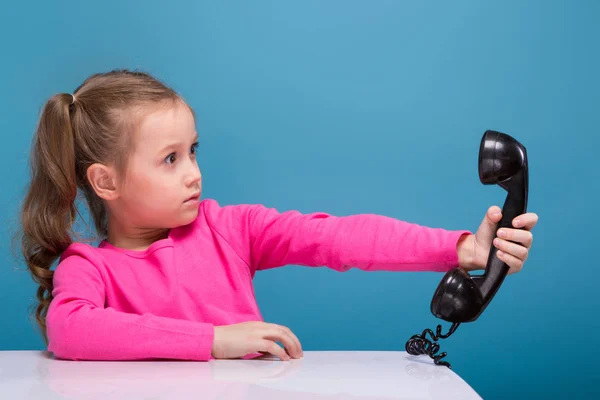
419 344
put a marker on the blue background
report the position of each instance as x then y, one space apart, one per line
350 107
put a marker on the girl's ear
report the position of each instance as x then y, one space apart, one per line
102 178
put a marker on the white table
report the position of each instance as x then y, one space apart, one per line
318 375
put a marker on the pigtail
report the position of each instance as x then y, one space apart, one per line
49 210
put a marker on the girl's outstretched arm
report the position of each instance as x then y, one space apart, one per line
266 238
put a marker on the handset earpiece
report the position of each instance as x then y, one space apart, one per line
459 296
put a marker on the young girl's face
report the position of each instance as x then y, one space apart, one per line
163 182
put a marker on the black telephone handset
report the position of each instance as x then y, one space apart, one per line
459 296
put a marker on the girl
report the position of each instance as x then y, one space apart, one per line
172 275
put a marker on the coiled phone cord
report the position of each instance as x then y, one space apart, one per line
419 344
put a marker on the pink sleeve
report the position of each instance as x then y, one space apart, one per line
80 328
266 238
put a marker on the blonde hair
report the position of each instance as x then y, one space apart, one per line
92 125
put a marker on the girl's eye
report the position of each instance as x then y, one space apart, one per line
170 158
194 148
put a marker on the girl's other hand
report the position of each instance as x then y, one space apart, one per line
238 340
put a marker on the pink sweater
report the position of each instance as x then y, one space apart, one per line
163 303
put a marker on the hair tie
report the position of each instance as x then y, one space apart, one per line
73 96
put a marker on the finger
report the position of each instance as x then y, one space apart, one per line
269 346
517 236
526 221
514 264
511 248
295 338
280 333
494 213
487 229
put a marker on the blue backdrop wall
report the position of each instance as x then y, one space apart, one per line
350 107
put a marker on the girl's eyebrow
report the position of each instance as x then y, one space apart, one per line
175 145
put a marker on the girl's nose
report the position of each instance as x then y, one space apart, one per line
194 175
